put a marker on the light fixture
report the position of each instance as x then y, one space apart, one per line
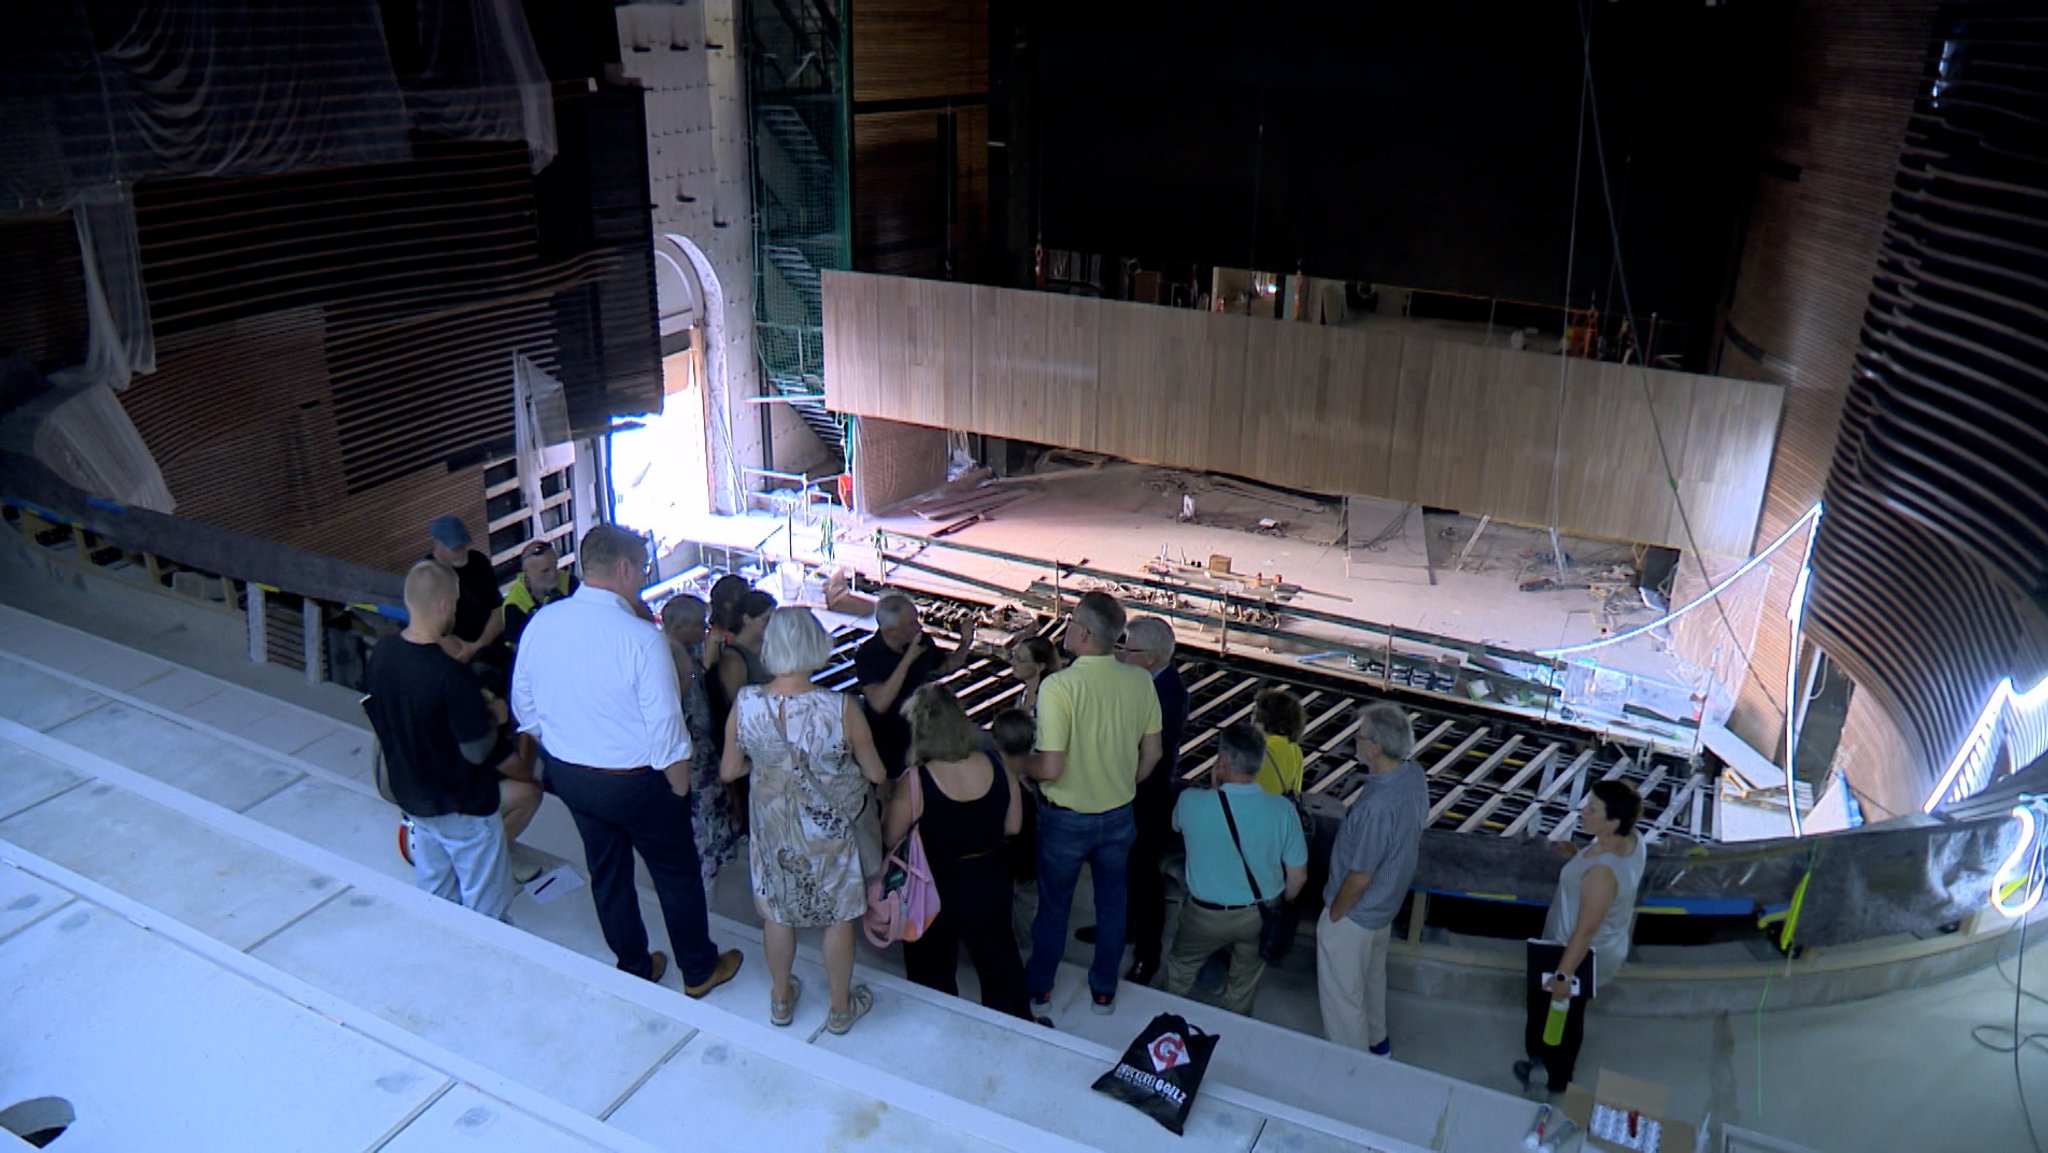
1795 613
2017 885
1809 515
1968 771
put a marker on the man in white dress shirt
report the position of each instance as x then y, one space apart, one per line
595 686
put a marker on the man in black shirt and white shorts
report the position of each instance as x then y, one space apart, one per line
436 734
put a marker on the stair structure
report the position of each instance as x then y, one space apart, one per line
802 219
207 940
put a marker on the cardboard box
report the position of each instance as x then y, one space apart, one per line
1627 1095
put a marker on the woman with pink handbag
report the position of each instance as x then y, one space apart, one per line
954 814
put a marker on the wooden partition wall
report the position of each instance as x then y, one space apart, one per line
1369 411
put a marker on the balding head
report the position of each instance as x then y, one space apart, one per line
430 592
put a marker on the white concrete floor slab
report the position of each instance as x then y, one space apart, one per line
767 1104
464 1118
362 828
233 709
528 1021
1009 1072
26 899
177 689
27 778
222 886
40 701
116 666
204 766
345 752
1356 1088
1121 515
158 1049
287 729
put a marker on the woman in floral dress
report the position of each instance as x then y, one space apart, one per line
814 823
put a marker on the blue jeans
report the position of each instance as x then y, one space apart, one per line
464 859
1067 840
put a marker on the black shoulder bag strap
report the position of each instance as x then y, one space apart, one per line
1251 880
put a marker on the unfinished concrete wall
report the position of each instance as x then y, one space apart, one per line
686 57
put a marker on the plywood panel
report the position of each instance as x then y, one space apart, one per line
1164 380
1357 411
851 327
1036 364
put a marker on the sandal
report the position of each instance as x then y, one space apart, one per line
783 1012
859 1000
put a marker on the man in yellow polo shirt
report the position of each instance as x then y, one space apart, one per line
1098 736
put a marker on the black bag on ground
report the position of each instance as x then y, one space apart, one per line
1162 1070
1278 918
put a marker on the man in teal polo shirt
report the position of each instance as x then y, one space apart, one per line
1237 834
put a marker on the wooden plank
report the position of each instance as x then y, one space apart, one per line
1402 417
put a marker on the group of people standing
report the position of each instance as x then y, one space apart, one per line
675 742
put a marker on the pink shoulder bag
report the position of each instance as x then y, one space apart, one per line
904 900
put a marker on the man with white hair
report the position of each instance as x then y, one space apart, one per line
891 666
1371 867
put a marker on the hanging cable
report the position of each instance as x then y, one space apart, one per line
1642 370
1564 360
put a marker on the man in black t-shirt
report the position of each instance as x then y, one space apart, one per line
479 621
436 735
894 663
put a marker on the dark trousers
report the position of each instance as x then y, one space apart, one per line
618 814
974 910
1562 1058
1153 811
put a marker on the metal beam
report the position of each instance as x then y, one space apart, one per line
1485 769
1493 803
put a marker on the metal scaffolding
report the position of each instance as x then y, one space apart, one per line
798 134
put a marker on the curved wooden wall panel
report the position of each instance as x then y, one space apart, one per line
1816 218
1365 411
1931 570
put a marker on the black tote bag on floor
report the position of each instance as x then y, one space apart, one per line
1162 1070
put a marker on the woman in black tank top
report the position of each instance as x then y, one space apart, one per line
962 806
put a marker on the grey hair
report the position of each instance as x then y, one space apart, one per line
1242 748
1387 726
1102 615
892 608
794 642
1149 634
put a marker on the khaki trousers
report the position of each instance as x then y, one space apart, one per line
1202 932
1351 981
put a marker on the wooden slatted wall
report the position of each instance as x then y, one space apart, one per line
1797 307
920 135
1363 411
1931 568
335 347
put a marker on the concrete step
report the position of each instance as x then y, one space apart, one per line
254 823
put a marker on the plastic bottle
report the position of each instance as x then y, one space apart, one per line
1553 1025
